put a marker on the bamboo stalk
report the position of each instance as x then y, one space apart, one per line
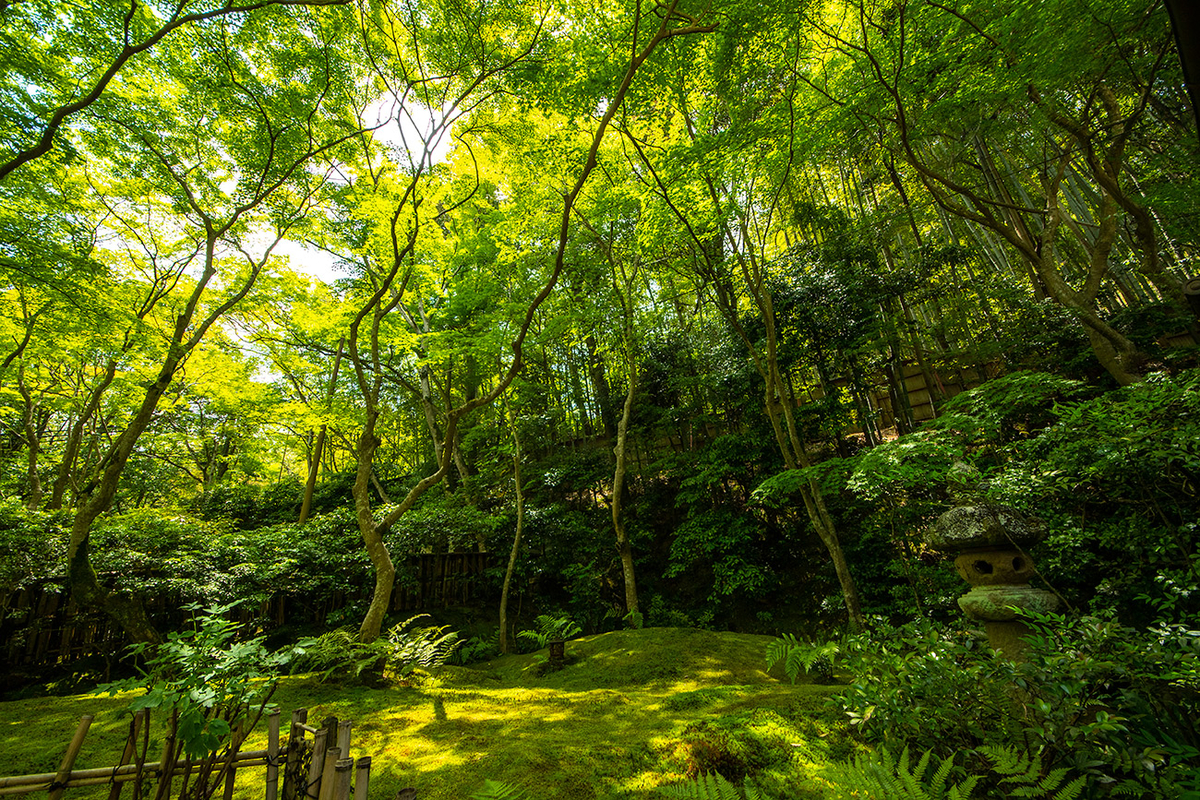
296 736
331 758
272 792
140 759
128 752
64 769
105 779
362 778
237 737
343 736
23 784
341 778
168 757
316 768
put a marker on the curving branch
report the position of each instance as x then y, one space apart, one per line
59 115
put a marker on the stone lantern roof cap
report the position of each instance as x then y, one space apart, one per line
983 525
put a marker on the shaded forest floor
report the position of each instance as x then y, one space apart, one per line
633 710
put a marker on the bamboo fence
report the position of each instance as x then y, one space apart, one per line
319 768
41 624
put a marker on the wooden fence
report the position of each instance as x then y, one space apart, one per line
319 769
41 624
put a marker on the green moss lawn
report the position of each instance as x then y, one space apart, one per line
632 711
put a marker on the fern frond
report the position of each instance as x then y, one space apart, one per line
881 775
711 786
1073 790
1024 773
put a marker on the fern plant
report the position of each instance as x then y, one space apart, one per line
405 648
881 775
549 628
712 786
338 652
1023 772
797 656
410 647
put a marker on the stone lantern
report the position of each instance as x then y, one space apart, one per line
991 541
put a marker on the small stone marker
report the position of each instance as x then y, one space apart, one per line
558 655
990 541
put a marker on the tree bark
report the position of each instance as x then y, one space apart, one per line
33 494
516 548
618 517
314 467
75 437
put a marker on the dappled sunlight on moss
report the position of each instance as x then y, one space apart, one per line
635 711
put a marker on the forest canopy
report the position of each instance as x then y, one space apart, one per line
701 311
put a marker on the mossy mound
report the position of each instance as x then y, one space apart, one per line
666 658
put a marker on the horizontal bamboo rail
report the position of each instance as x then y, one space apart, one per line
328 779
23 784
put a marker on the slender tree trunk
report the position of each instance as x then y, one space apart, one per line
85 584
33 495
618 516
381 559
314 466
516 548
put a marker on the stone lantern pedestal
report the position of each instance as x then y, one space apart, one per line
991 542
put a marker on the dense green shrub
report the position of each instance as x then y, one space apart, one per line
444 522
1116 479
162 552
32 546
1105 701
250 506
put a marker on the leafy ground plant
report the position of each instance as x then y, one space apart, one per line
550 628
215 687
406 647
796 656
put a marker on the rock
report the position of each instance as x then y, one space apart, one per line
997 603
983 526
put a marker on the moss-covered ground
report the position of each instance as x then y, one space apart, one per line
632 711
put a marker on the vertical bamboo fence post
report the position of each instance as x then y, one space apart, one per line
343 736
316 767
141 757
237 737
64 769
272 792
330 724
362 777
341 778
291 776
128 753
166 764
332 755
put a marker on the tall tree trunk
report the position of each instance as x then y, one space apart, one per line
516 548
381 559
95 499
33 494
314 467
618 517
